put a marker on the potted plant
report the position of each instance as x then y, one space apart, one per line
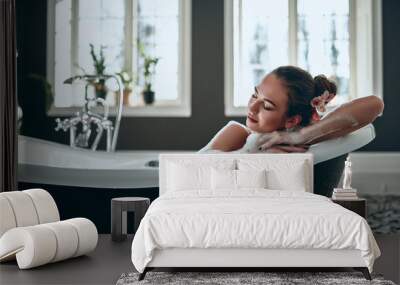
127 81
47 88
149 65
99 67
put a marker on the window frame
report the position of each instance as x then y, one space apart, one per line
366 67
181 107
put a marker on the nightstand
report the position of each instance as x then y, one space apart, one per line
119 208
358 206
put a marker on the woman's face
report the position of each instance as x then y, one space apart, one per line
267 107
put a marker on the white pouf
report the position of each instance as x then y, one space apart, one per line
31 230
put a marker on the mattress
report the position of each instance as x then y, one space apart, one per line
251 219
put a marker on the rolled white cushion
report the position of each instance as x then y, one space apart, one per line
87 235
40 244
7 218
33 246
67 239
23 208
46 208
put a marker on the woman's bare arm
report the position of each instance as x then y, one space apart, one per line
343 120
231 137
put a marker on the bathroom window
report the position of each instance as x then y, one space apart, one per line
121 29
319 36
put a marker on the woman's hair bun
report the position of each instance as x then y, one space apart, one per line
322 84
302 88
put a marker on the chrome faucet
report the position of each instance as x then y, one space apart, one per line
86 118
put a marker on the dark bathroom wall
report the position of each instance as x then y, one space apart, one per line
207 83
387 127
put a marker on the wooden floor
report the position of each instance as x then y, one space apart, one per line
111 259
103 266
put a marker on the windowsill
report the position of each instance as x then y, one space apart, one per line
231 111
155 110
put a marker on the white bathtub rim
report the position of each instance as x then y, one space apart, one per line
33 151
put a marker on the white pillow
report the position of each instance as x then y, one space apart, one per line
183 178
292 180
223 179
236 179
195 175
281 174
251 178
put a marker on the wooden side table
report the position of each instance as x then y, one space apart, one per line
358 206
119 208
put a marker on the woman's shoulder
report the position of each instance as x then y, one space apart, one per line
230 137
235 123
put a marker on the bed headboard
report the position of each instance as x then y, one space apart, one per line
285 162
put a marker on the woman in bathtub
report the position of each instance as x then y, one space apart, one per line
283 117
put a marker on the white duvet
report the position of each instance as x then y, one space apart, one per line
250 219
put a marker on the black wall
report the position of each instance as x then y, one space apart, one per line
207 83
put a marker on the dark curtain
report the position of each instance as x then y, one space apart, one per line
8 97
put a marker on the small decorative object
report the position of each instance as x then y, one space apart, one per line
148 72
127 81
99 67
347 174
346 192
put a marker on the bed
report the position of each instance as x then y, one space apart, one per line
247 210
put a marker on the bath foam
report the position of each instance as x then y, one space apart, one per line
322 151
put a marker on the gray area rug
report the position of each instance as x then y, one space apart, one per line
231 278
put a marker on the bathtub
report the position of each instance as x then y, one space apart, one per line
45 162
